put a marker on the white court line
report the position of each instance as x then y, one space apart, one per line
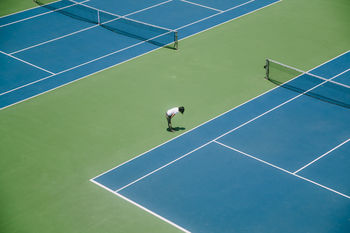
58 38
147 8
284 170
153 213
28 63
321 156
34 16
160 168
230 131
225 12
142 207
196 4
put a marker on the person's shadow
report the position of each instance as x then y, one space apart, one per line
176 129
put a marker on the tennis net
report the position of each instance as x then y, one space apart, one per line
308 84
153 34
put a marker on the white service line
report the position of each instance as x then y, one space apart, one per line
321 156
284 170
232 8
28 63
196 4
230 131
34 16
160 168
147 8
58 38
260 160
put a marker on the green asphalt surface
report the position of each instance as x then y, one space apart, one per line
51 145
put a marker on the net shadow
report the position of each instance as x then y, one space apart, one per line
312 93
116 24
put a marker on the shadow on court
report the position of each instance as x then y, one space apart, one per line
176 129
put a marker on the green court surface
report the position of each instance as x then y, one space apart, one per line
51 145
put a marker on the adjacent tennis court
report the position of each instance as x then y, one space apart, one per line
83 89
53 58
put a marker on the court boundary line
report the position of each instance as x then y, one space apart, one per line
200 5
28 63
143 208
217 25
228 132
282 169
121 164
321 156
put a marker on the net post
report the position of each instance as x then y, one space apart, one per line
176 44
267 65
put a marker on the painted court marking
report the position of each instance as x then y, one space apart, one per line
142 207
333 149
28 63
284 170
196 4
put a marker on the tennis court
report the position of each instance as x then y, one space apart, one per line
271 155
83 89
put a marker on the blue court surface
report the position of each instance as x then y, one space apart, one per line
41 49
278 163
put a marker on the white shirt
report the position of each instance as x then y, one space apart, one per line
172 111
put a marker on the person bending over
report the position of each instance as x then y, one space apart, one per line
171 113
